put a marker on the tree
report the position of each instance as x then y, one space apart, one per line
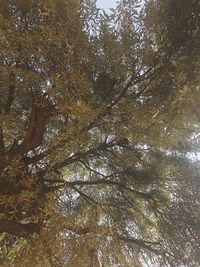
99 122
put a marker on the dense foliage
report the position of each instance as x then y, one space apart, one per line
99 133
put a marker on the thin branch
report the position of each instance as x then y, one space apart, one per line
90 200
64 203
81 155
142 244
92 170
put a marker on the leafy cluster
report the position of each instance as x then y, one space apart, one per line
99 128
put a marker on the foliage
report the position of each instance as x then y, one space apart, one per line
99 125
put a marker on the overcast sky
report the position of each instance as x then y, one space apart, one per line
106 4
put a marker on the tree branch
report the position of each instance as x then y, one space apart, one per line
142 244
19 229
104 181
34 136
2 146
81 155
10 99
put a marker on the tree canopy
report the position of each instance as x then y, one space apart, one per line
99 133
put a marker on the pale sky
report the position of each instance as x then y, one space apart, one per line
106 4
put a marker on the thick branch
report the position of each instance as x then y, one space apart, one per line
7 109
35 159
104 181
10 99
2 147
34 136
19 229
7 188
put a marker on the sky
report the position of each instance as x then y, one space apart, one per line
106 4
